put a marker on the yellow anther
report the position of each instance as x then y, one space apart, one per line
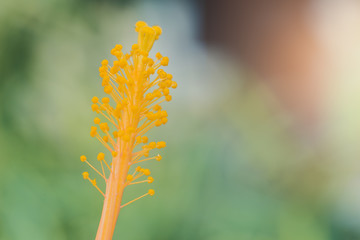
158 31
122 63
135 46
102 69
168 83
104 127
146 172
168 98
158 123
150 179
106 138
96 120
95 108
138 168
103 106
151 70
105 81
93 182
101 156
105 100
158 115
158 157
118 54
164 61
164 120
114 153
117 112
151 62
95 99
169 76
129 177
114 70
152 144
161 144
163 113
149 96
158 55
85 175
166 91
116 64
115 52
150 116
157 93
104 62
162 84
115 134
118 47
93 131
174 85
83 158
108 89
144 139
151 192
161 72
157 107
139 25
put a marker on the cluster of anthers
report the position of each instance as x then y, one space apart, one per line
136 86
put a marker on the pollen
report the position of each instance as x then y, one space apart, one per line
104 127
144 139
161 144
96 120
129 177
83 158
93 131
101 156
105 100
95 99
158 157
147 172
85 175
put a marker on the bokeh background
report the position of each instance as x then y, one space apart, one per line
263 134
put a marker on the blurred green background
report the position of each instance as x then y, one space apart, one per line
238 164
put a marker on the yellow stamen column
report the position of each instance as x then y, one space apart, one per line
137 85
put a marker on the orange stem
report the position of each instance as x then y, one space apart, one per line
114 192
115 188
